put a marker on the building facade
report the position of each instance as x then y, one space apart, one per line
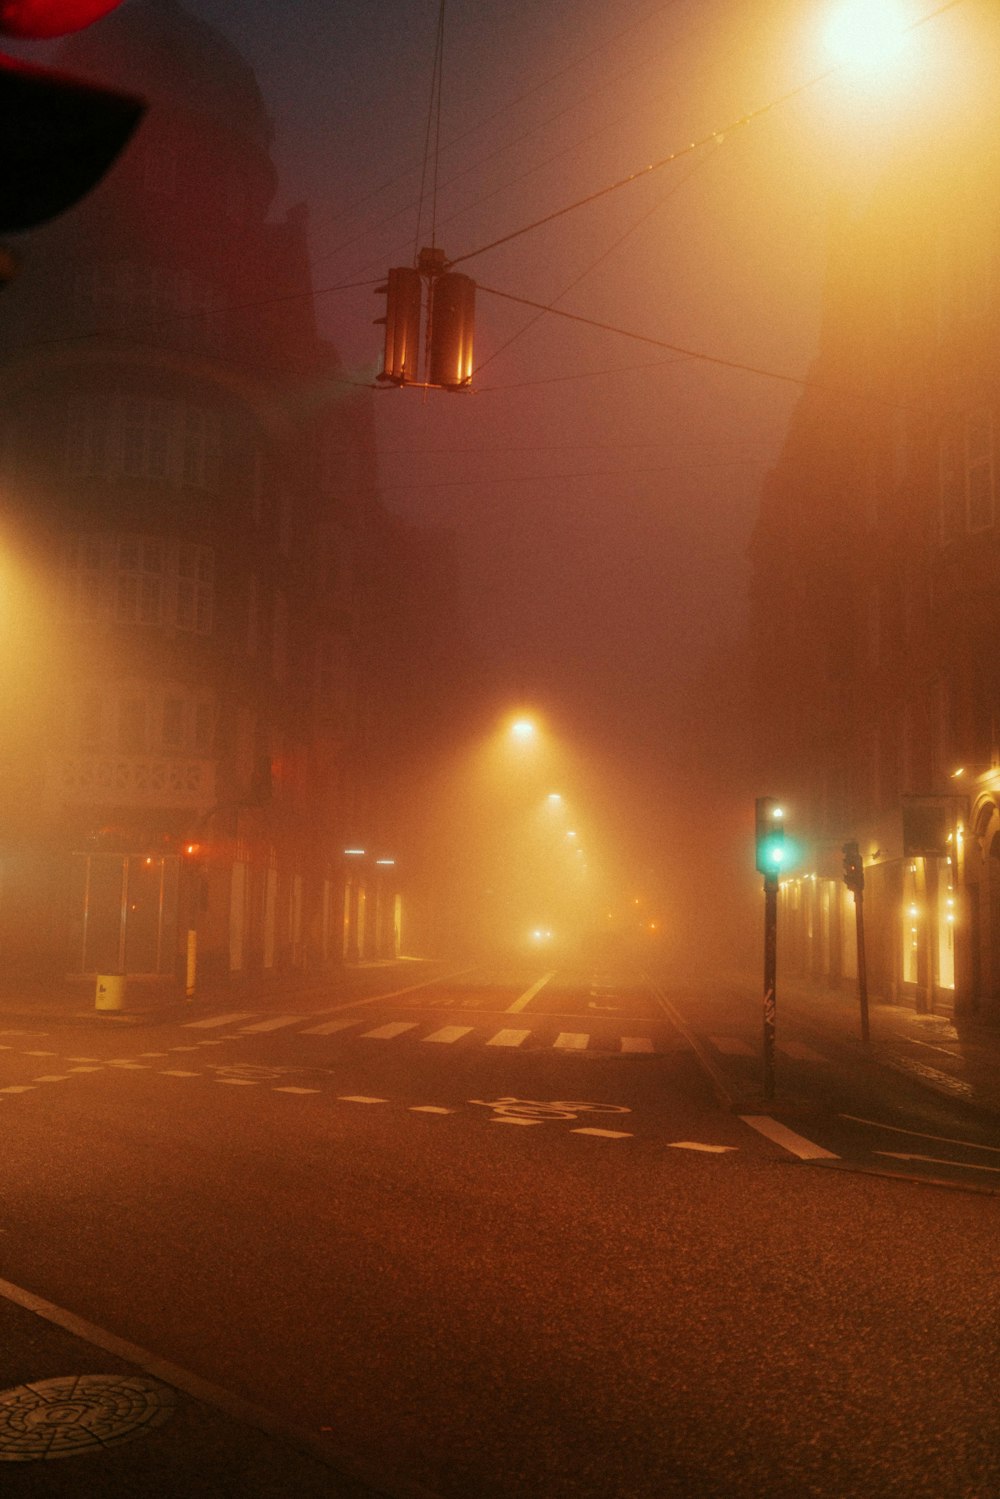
876 595
196 563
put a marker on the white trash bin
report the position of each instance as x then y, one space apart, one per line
110 991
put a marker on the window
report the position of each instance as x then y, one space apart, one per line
140 580
979 469
139 597
966 477
142 437
194 589
141 718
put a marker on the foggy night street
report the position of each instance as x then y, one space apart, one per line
338 1213
500 749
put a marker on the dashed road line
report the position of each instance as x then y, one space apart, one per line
273 1023
450 1033
508 1038
572 1041
389 1032
607 1134
523 1000
212 1022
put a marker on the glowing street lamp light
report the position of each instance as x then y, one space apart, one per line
523 729
866 35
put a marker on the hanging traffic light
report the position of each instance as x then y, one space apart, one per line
452 317
772 848
451 306
854 868
58 135
403 291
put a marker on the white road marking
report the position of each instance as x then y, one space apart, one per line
428 1108
388 1032
330 1027
50 1077
508 1038
449 1033
920 1135
39 1053
125 1064
154 1053
238 1082
571 1040
796 1145
18 1088
732 1046
296 1090
86 1069
607 1134
800 1052
525 999
513 1119
359 1098
935 1160
216 1020
176 1072
275 1023
83 1059
696 1145
636 1043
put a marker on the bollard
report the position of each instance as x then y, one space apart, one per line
110 991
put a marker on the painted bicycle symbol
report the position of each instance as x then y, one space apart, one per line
535 1110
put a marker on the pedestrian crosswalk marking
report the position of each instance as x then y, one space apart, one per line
389 1032
449 1033
636 1043
330 1027
275 1023
571 1040
215 1020
508 1038
608 1134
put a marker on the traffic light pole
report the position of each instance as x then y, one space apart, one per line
770 978
859 921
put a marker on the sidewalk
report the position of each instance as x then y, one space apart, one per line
146 1002
957 1059
82 1412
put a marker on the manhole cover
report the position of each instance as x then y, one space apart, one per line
78 1413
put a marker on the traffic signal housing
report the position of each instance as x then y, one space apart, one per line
772 846
403 291
854 868
452 318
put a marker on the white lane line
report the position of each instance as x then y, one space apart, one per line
525 999
606 1134
796 1145
176 1072
800 1052
429 1108
86 1069
51 1077
388 1032
275 1023
18 1088
920 1135
571 1040
636 1043
935 1160
449 1033
697 1145
359 1098
125 1064
154 1053
508 1038
331 1027
296 1090
732 1046
39 1053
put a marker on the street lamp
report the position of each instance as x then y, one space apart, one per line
865 35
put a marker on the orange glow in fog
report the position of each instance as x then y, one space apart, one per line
865 35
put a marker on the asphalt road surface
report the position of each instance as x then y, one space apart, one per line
499 1236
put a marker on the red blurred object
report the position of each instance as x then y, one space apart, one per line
50 17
